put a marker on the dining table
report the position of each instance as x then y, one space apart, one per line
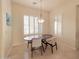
29 38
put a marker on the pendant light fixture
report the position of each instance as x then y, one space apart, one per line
40 19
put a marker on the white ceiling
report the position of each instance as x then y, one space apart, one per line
47 5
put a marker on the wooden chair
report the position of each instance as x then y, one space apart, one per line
50 42
36 45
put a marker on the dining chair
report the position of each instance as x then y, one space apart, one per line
36 45
28 41
50 42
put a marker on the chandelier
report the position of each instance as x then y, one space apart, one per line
40 19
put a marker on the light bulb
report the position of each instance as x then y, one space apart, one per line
41 20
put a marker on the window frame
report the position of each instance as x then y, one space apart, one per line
40 30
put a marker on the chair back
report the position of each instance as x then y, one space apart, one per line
36 42
51 40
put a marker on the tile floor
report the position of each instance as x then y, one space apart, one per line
63 52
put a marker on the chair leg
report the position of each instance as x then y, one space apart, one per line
56 45
31 52
52 49
28 45
46 46
43 48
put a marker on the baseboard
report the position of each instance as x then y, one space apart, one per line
67 44
18 44
9 51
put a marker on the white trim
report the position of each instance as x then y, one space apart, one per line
68 45
18 44
9 51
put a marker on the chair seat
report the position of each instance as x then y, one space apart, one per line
51 40
36 43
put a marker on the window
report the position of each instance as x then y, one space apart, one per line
58 25
31 25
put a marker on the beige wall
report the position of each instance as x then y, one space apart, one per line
6 30
0 29
68 12
77 27
18 12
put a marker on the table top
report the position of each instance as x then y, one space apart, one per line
42 36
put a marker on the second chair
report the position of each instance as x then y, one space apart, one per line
36 45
